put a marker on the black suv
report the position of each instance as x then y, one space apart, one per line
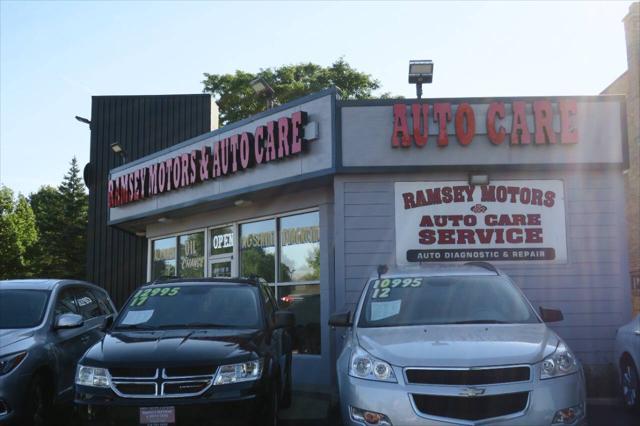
199 351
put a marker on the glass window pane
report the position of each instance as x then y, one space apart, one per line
164 258
87 303
304 302
221 269
191 255
221 240
258 250
300 247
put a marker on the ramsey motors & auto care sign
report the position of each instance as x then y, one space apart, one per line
511 220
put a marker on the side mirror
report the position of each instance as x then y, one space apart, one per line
66 321
551 315
284 319
340 320
106 325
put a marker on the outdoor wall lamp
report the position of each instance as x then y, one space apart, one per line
261 87
420 71
118 149
478 179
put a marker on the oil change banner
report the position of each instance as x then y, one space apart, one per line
505 221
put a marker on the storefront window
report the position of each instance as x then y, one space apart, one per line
164 258
191 262
221 269
304 301
300 248
221 241
258 249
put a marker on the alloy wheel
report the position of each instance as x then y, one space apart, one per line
630 385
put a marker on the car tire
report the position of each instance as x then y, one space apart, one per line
285 401
630 384
39 402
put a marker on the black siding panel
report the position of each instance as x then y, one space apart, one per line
117 260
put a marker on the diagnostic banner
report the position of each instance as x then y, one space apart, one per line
504 221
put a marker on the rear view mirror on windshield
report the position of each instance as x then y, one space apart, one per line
551 315
340 320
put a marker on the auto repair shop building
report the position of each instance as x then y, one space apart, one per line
314 194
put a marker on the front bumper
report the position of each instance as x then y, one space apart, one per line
13 389
220 405
545 398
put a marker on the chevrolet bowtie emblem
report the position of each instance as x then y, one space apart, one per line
471 392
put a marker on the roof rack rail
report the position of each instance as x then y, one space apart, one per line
164 278
486 265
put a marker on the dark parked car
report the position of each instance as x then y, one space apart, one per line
45 327
204 351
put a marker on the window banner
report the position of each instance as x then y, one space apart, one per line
510 220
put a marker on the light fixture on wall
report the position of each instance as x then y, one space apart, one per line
478 179
261 87
163 219
420 71
242 203
118 149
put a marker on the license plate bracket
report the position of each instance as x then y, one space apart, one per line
157 416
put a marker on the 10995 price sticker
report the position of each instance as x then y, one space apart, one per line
382 287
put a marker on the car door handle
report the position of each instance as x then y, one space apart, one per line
636 332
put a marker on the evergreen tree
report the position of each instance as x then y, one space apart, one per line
48 260
75 216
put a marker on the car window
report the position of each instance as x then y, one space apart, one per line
66 302
192 306
103 302
87 303
22 308
267 302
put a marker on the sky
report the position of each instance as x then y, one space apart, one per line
55 55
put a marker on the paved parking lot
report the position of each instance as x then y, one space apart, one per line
310 410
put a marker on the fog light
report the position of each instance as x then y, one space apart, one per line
569 415
369 417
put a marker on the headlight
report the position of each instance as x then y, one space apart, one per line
559 363
9 362
242 372
365 366
92 376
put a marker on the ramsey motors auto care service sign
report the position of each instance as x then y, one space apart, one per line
511 220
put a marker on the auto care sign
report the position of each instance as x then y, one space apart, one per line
510 220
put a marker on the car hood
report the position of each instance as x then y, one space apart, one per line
463 345
174 348
10 337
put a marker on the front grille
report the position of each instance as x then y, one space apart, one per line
185 387
136 388
471 408
172 382
133 372
189 371
483 376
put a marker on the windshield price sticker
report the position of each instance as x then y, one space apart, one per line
142 295
382 288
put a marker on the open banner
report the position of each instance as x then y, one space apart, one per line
510 220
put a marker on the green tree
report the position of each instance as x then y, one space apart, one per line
236 99
47 258
61 216
17 234
75 216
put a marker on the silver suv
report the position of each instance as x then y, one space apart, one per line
461 344
45 327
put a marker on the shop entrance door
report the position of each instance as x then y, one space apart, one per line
222 267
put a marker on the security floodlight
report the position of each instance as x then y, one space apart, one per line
420 71
261 87
118 149
478 179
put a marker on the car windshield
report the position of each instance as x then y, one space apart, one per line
444 300
22 308
191 306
